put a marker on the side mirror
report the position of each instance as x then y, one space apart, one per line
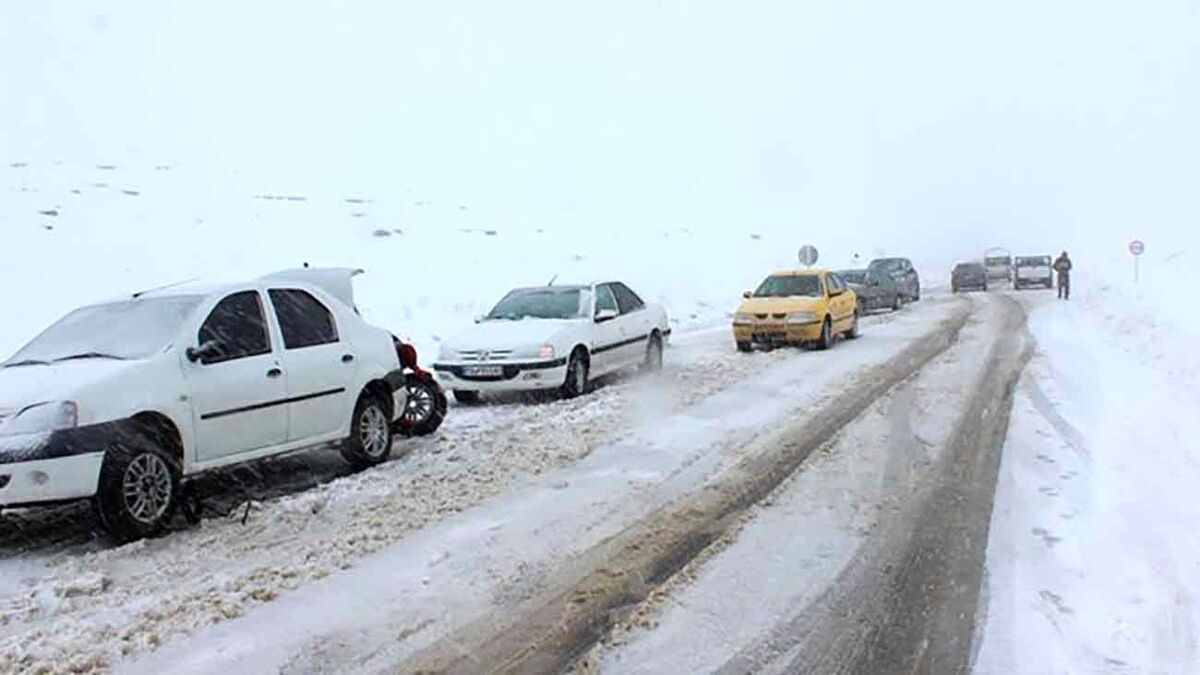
208 350
746 295
603 315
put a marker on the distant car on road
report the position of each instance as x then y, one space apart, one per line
1033 270
555 338
903 272
875 289
998 263
968 275
797 307
122 401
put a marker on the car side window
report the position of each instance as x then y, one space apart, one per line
835 283
303 319
236 328
627 300
605 299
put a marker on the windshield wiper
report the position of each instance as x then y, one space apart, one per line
26 362
91 355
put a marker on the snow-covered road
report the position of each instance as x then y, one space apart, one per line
69 602
804 584
457 576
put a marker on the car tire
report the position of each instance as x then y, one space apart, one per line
897 303
917 296
466 396
138 490
576 383
370 441
853 333
745 347
653 362
826 339
425 409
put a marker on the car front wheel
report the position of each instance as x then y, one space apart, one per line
576 383
138 490
826 340
370 441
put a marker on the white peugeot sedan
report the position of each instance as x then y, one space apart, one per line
123 400
554 338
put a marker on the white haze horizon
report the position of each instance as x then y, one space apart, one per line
933 129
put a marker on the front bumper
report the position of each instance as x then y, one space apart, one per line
50 480
522 376
772 333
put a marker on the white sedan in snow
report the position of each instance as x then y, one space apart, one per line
554 338
123 400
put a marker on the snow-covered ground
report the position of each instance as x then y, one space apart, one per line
1093 565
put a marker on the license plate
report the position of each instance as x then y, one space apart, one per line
483 371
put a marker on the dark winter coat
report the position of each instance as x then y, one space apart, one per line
1063 265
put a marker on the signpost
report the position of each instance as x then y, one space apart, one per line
1137 247
808 255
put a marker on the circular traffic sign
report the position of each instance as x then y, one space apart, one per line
1137 247
808 255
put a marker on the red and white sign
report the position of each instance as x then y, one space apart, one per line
1137 247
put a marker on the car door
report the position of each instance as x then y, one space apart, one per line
320 365
606 333
237 387
842 303
635 324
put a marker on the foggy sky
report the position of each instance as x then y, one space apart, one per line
1065 124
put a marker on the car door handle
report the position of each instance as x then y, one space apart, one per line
274 372
347 358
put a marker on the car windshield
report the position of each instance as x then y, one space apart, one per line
997 260
854 276
888 264
783 286
1034 261
541 303
129 329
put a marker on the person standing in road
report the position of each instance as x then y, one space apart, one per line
1063 267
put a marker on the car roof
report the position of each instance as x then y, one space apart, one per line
335 281
810 272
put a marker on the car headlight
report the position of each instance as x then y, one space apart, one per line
801 317
42 418
743 318
546 352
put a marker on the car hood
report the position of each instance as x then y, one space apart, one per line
526 335
779 305
24 385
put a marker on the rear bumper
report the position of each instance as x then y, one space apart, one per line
525 376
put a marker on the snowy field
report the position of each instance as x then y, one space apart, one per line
1091 564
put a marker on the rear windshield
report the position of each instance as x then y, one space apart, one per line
788 286
1034 261
541 303
969 267
888 264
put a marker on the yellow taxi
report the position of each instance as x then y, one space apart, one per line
797 307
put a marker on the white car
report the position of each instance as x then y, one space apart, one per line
554 338
1033 270
122 401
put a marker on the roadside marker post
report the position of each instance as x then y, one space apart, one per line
1136 247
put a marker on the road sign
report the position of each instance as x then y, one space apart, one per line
1137 247
808 255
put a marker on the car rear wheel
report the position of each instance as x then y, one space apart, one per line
654 354
826 340
576 383
138 490
370 441
853 333
425 409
